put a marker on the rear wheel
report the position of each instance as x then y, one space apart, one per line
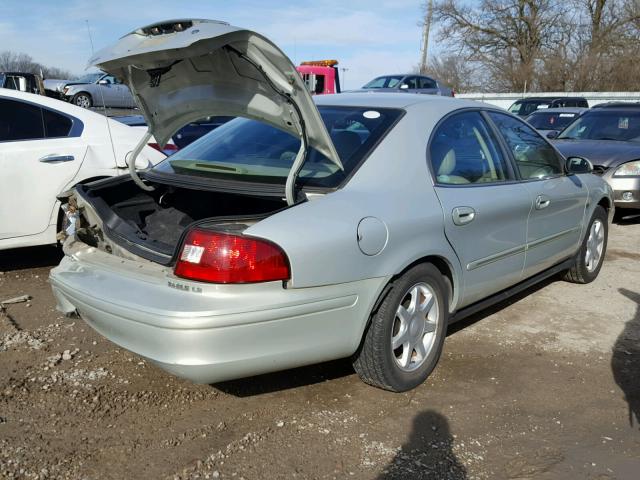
83 100
404 340
592 251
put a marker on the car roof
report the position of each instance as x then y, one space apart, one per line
547 99
371 99
560 110
81 113
618 105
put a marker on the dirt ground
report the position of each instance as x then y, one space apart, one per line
545 386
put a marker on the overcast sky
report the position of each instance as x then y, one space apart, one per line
369 38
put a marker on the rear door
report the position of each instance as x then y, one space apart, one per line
485 210
559 200
40 153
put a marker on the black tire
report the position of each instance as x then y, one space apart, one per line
580 273
83 100
375 361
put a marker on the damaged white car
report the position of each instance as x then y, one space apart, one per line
47 147
357 226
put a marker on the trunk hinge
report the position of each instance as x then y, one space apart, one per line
290 186
132 162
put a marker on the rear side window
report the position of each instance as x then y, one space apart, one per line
20 121
464 151
56 125
535 158
425 82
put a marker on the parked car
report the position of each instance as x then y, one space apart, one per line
22 81
105 91
609 137
408 83
183 137
360 226
54 87
527 106
550 122
46 147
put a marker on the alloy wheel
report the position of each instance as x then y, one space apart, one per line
595 245
414 327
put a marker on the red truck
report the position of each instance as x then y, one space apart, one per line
320 76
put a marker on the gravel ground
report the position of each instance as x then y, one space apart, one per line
544 386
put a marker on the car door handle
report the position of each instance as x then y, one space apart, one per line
55 158
463 215
542 202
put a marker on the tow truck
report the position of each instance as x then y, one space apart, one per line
320 76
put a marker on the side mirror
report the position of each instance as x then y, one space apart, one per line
553 134
404 86
104 82
578 165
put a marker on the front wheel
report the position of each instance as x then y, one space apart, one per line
82 100
592 251
404 341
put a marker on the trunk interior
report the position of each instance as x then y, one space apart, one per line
151 224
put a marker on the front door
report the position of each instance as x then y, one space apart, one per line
37 161
559 200
485 211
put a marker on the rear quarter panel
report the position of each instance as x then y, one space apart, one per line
394 186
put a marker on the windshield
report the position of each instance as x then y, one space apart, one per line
248 150
623 126
384 82
551 120
524 108
89 77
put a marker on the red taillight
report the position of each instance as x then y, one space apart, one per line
169 148
222 258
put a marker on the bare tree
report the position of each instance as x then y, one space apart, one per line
546 45
455 71
507 36
21 62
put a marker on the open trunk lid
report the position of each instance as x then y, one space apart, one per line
183 70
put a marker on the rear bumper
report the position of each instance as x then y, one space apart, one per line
210 333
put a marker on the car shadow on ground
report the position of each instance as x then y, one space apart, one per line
428 453
30 257
627 217
625 361
287 379
487 312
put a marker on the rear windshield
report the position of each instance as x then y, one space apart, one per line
526 107
384 82
551 120
605 125
248 150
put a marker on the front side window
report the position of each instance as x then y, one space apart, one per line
535 157
464 151
410 82
621 125
251 151
20 121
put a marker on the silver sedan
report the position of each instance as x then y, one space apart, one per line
105 91
360 226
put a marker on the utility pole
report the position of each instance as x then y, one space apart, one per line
425 37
